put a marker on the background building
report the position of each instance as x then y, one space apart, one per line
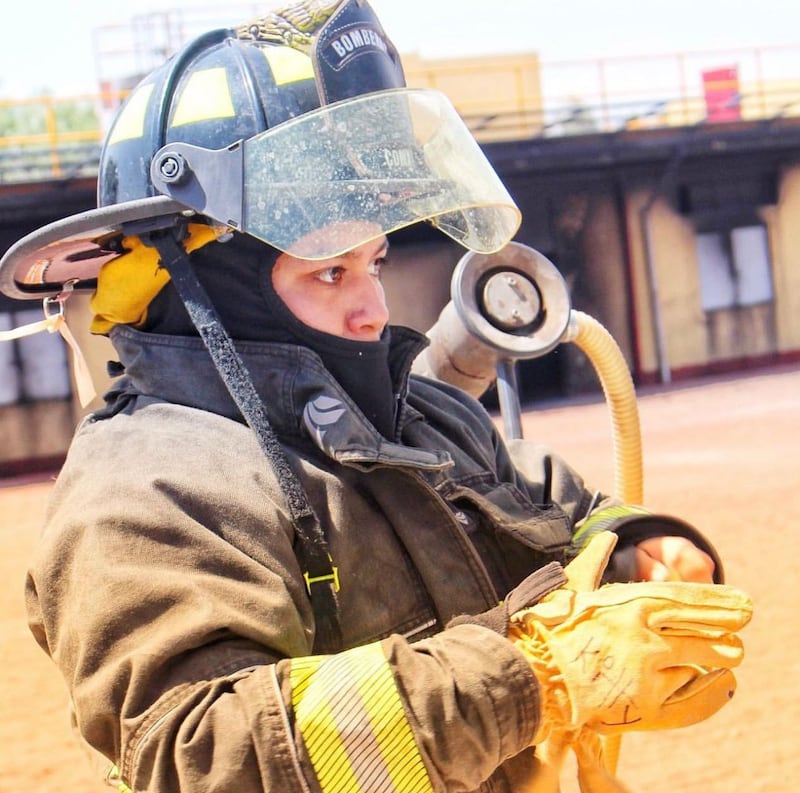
664 189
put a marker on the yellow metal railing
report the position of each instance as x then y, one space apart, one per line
51 137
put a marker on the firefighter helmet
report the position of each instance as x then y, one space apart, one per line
297 129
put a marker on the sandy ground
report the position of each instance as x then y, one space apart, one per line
721 453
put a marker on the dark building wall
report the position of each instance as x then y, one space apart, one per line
585 201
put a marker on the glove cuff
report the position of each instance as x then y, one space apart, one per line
529 592
555 709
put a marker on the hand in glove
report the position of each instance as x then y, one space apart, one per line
640 656
583 574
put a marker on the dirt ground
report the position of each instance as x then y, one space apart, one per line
721 453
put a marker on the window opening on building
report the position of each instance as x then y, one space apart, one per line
735 268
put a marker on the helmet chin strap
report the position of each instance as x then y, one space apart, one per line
320 573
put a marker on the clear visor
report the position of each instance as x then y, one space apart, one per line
333 179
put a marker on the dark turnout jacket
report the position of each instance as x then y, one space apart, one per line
167 585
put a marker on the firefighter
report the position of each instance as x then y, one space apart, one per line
275 560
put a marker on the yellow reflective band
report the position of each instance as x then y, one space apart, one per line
206 95
288 65
604 520
616 511
353 724
130 122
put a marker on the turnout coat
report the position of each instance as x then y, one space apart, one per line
167 585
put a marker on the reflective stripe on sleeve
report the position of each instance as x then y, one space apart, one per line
353 724
603 520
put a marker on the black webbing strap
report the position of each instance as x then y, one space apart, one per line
312 548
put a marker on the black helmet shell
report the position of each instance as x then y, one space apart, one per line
229 85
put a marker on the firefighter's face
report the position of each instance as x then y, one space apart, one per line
342 296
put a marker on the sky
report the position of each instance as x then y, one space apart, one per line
53 45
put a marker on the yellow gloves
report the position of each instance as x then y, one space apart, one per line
640 656
128 283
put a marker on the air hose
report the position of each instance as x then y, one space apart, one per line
612 370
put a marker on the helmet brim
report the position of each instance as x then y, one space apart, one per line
73 250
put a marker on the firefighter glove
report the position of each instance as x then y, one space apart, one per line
638 656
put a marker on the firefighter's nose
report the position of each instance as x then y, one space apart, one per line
368 313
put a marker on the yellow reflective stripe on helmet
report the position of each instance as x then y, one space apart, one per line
130 122
288 65
206 95
353 723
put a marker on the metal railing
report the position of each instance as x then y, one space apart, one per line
669 90
47 138
44 138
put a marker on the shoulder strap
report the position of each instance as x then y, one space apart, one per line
312 548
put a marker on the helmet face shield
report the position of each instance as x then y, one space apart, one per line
321 184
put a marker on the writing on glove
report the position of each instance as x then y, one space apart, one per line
637 656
